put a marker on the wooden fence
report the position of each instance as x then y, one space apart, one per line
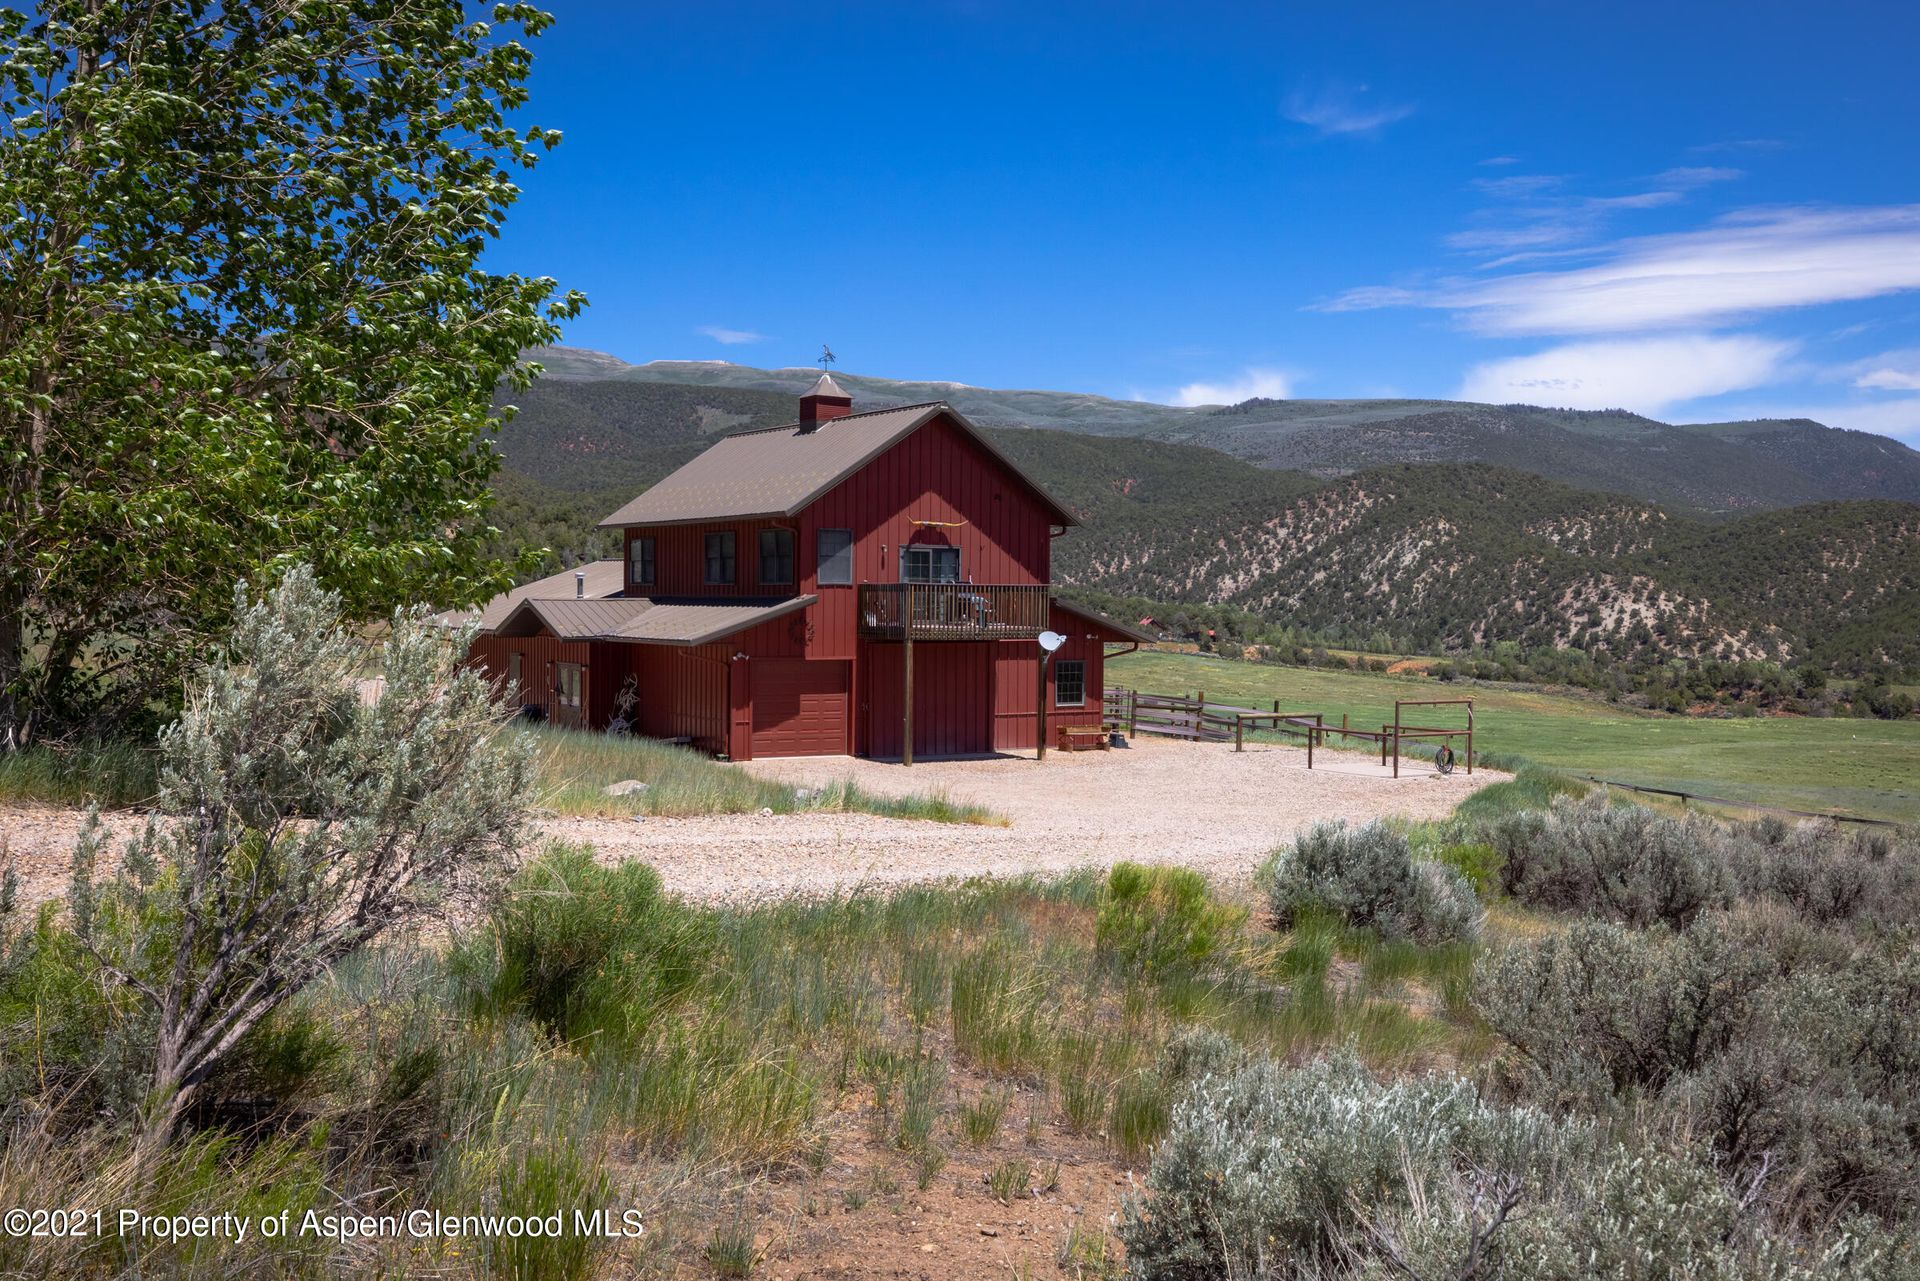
1193 717
1181 716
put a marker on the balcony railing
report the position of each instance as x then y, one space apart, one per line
952 611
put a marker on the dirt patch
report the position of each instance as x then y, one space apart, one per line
1201 805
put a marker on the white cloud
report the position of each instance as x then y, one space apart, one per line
1746 263
1335 110
1889 371
1698 175
1535 214
1501 160
1645 375
1269 383
720 333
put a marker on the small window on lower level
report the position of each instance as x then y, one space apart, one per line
1070 682
513 675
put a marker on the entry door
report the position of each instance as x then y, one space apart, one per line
952 699
568 705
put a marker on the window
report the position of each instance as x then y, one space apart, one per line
1070 682
720 553
834 548
566 684
640 562
776 556
929 564
514 682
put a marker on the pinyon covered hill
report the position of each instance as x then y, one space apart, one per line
1447 555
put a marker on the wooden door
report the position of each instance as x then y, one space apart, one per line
568 702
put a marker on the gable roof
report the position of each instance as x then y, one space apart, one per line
605 578
640 620
777 471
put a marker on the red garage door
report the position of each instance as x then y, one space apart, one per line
799 707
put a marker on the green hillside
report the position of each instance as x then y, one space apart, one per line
1713 469
1445 557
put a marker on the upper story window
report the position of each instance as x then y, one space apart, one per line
776 556
640 562
834 549
929 564
721 549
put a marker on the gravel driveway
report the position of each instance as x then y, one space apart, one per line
1201 805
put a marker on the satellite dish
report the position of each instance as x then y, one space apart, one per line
1050 641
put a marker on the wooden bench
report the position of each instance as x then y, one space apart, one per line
1080 738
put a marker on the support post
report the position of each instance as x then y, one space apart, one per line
1309 751
1384 731
1239 732
1396 739
1040 711
906 716
1469 738
1133 713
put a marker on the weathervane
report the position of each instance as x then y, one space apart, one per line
826 357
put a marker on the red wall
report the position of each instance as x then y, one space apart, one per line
969 696
1015 680
538 655
1002 529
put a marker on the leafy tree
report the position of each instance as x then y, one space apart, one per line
243 320
304 823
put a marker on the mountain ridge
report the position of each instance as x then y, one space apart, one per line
1711 469
1449 556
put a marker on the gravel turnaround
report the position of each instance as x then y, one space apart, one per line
1200 805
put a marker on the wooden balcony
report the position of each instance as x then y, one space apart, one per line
952 611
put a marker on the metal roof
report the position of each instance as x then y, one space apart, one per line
825 386
777 471
696 623
570 619
605 578
639 620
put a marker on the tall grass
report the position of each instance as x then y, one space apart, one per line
596 1042
576 768
112 774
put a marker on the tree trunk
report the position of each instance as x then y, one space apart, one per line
14 730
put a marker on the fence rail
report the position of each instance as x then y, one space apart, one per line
1193 717
953 611
1684 797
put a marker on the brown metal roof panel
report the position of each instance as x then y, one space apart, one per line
571 619
604 578
686 623
773 471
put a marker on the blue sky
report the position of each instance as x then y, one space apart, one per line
1692 210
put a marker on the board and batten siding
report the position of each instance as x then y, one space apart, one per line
936 474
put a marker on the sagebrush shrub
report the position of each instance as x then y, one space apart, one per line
1789 1055
1825 874
1157 920
1603 1009
1622 862
1325 1172
1367 877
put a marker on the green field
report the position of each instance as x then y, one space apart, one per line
1865 767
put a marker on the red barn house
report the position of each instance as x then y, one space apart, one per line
829 587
